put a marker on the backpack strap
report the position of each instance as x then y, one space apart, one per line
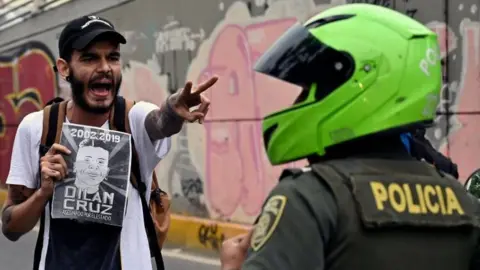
54 100
120 121
119 115
53 118
46 121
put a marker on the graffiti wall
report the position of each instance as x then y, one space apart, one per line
219 170
26 82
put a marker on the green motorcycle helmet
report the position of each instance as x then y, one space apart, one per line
364 69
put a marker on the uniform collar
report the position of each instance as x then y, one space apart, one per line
378 146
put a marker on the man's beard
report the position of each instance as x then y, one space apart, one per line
78 88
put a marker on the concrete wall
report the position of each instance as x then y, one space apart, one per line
219 170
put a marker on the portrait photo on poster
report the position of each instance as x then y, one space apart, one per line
96 186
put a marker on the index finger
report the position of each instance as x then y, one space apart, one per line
205 85
58 148
249 235
242 238
245 241
236 239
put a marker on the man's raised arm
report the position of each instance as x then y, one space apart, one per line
163 122
168 120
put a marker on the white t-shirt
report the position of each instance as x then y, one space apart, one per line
24 170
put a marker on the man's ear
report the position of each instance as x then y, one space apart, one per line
63 68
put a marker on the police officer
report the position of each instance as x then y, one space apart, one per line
368 74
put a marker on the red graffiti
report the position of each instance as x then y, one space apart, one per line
27 80
237 169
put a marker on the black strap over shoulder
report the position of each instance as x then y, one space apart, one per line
54 100
50 140
119 115
119 122
52 124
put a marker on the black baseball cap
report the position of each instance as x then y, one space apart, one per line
80 32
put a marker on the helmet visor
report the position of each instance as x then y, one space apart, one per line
300 58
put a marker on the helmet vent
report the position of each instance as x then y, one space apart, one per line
267 135
418 36
323 21
341 135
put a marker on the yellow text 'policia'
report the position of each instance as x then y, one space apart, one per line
429 199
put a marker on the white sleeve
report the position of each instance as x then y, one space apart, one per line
149 153
24 164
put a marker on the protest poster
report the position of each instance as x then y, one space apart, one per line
96 186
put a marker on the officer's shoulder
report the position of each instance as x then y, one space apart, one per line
292 173
310 188
296 174
303 180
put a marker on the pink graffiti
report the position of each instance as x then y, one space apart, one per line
145 85
464 143
238 172
447 39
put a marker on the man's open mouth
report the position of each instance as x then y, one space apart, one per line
101 89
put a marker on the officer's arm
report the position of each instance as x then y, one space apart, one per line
296 223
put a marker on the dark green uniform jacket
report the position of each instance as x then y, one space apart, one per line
372 208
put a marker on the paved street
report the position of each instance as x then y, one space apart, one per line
19 255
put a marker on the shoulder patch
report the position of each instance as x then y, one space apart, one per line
268 221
